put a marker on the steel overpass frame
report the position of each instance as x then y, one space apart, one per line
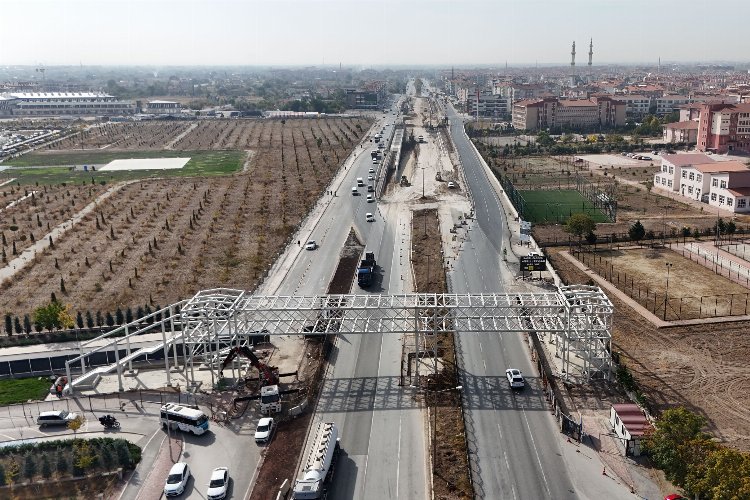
213 321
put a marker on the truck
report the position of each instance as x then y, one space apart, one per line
366 270
319 467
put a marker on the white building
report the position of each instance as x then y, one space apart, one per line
163 108
668 177
65 104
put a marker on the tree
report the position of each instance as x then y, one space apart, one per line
675 428
26 324
29 466
75 424
79 319
580 224
106 455
129 315
61 464
17 324
119 317
83 457
685 233
8 325
637 232
89 320
591 238
3 482
99 319
110 321
12 471
123 454
46 467
730 228
724 473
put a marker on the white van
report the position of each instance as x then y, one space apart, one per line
360 182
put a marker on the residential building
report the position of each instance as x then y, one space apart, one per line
669 176
583 114
681 132
65 104
490 105
668 103
636 105
724 128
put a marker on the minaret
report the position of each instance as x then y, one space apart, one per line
573 56
591 53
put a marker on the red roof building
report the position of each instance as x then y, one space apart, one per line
629 425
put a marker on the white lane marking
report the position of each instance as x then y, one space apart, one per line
372 419
536 451
398 453
480 347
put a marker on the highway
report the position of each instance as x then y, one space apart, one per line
513 438
381 425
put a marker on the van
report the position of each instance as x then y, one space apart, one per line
360 182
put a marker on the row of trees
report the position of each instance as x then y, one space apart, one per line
65 458
57 316
692 460
637 232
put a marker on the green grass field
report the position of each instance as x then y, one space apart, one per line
558 205
56 168
20 390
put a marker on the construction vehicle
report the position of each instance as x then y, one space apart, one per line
404 181
319 467
268 375
366 271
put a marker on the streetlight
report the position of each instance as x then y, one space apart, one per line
434 423
422 181
666 291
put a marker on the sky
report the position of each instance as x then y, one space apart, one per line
366 33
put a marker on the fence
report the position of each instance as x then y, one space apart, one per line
659 302
652 238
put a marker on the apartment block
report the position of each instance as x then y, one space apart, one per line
724 128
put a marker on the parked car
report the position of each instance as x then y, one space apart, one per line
217 488
177 479
370 198
56 417
311 245
451 185
370 177
264 431
515 378
372 170
369 217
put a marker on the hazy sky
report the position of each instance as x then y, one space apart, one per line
358 32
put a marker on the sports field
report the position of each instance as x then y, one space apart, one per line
557 206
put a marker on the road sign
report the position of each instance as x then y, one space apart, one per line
525 227
533 263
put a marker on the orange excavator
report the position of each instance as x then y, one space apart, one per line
269 375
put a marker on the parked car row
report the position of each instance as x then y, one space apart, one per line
179 476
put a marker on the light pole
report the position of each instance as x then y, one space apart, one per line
434 423
422 181
666 291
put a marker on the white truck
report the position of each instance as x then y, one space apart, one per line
319 466
270 399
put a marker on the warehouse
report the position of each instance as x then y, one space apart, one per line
25 104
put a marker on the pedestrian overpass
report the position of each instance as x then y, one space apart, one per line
201 330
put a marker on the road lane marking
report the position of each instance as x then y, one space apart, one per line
398 453
536 451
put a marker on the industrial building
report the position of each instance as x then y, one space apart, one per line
32 104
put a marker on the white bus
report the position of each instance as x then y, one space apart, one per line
184 418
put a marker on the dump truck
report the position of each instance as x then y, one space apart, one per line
366 271
319 467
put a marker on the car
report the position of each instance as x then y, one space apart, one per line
177 479
217 487
370 178
369 217
311 245
515 378
674 496
56 417
451 185
372 170
264 431
354 191
370 198
370 188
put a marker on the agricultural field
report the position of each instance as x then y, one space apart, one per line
160 240
557 205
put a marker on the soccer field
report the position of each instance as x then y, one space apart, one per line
557 206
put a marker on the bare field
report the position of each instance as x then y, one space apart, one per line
694 290
701 367
158 241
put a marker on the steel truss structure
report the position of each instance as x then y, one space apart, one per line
213 321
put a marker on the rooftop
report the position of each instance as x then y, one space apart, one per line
683 160
687 125
740 191
721 166
632 418
56 95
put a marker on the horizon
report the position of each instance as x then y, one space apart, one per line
389 33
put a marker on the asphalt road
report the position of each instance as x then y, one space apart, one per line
380 424
513 438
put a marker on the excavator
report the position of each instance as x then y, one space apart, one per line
268 375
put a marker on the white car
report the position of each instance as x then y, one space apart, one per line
177 479
370 198
515 378
369 217
372 170
217 488
55 417
370 177
451 185
264 431
311 245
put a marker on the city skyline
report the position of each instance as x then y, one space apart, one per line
363 33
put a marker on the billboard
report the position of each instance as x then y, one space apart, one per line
533 263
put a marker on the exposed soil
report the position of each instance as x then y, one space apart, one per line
703 368
160 241
451 477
